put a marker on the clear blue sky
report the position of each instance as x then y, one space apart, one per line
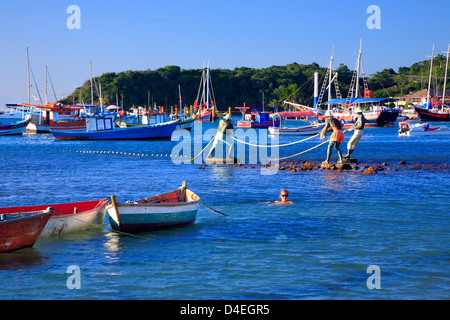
146 34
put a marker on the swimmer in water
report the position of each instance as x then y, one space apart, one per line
284 198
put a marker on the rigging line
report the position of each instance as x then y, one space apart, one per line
308 80
271 146
53 88
35 84
302 151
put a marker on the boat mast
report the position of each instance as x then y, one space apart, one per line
207 86
429 79
330 72
263 101
204 86
92 88
28 78
181 102
445 78
358 63
316 88
45 84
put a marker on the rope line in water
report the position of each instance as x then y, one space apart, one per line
186 157
302 151
274 146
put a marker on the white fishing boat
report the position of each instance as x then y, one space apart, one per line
297 131
15 113
422 129
306 130
177 208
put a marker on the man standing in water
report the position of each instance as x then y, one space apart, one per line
337 137
224 129
358 127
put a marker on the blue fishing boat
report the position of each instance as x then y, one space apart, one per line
14 129
255 118
102 126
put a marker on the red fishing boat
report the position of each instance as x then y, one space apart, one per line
55 116
21 230
68 217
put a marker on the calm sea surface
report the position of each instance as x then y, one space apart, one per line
318 248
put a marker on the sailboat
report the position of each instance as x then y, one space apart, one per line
185 122
427 112
204 105
375 114
53 115
17 116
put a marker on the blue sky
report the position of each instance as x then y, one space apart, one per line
138 35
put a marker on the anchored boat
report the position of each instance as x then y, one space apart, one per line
21 229
14 129
177 208
102 126
67 217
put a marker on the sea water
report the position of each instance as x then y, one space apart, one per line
341 227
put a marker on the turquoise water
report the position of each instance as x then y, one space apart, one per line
318 248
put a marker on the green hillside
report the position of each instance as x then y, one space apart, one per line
234 87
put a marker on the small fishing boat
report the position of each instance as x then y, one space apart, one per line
435 111
307 130
205 109
55 116
21 230
145 119
422 129
177 208
17 128
15 113
68 217
253 117
102 126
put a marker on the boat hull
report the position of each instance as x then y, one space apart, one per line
384 118
69 217
22 232
186 124
141 217
14 129
161 131
251 124
298 131
429 116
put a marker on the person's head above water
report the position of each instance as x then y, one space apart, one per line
284 197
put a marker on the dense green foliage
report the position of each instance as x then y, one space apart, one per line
232 88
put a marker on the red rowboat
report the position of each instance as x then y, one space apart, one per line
21 230
68 217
